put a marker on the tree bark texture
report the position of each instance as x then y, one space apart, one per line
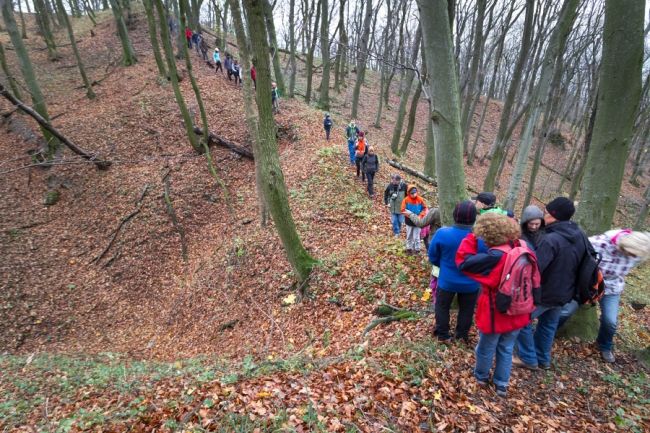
82 71
128 53
324 101
273 184
362 57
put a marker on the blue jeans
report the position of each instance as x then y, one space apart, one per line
567 311
397 220
351 149
490 345
535 348
608 317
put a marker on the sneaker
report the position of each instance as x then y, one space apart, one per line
517 362
481 382
545 366
502 391
608 356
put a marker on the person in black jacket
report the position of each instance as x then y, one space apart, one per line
327 125
559 253
370 164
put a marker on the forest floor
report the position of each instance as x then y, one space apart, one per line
140 339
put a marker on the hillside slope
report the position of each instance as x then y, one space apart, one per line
303 365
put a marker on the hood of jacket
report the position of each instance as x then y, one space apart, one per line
530 213
567 229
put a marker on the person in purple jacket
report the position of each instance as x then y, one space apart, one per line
451 281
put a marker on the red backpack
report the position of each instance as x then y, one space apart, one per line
520 280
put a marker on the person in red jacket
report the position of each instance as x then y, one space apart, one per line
188 36
497 331
254 75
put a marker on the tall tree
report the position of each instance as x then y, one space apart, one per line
153 37
82 71
249 103
292 49
273 41
43 18
472 87
405 90
362 57
309 64
444 99
508 105
324 101
38 99
556 45
341 52
13 84
173 76
23 30
619 94
275 190
128 53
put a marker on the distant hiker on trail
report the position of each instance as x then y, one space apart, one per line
195 41
360 150
370 166
414 203
254 76
487 202
532 225
351 132
217 61
227 64
451 281
327 125
188 37
203 45
620 251
236 68
275 98
497 324
394 194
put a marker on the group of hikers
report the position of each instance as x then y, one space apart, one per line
506 273
509 274
230 66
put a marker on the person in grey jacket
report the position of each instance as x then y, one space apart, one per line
393 196
370 165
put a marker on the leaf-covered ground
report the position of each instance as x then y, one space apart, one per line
142 340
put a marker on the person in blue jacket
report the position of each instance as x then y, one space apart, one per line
451 281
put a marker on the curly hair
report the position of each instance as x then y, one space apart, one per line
496 229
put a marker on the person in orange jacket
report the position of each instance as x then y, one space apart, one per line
361 149
415 204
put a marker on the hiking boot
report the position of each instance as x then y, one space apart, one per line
481 382
608 356
517 362
501 391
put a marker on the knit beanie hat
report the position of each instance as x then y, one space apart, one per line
636 243
561 208
531 212
465 213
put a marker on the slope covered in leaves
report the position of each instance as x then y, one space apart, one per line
217 342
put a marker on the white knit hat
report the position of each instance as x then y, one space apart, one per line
636 243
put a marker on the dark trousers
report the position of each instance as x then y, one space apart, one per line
327 133
218 67
466 304
357 161
371 179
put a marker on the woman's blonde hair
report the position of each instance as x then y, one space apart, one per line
496 229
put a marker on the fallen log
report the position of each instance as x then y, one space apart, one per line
214 138
99 162
388 313
412 171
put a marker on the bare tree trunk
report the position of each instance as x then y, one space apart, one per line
324 101
500 141
643 211
38 99
82 71
13 84
153 36
23 31
43 18
292 48
249 105
556 45
310 55
362 56
445 102
273 40
339 65
129 57
173 75
618 99
411 120
267 154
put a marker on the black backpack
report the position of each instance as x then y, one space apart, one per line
589 280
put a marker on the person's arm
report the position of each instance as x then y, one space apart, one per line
545 252
475 264
387 194
424 208
403 207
